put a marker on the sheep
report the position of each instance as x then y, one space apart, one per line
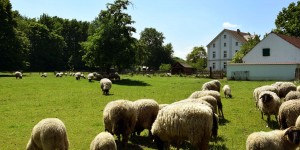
269 104
258 90
297 123
161 106
288 113
227 91
50 134
292 95
298 88
44 75
212 85
59 74
77 75
147 110
168 74
82 76
275 140
90 76
120 117
284 88
103 141
190 121
105 85
18 74
207 100
215 94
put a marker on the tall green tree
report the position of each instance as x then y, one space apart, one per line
13 43
197 58
245 48
288 20
111 43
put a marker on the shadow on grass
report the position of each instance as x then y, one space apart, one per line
217 144
6 75
273 124
129 82
130 146
223 121
143 141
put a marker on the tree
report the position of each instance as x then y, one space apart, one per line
197 58
288 20
111 44
245 48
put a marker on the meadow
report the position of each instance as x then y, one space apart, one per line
79 104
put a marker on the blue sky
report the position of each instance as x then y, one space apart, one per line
184 23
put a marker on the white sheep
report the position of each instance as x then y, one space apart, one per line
18 74
274 140
288 113
260 89
190 121
284 88
212 85
215 94
207 100
268 104
77 75
90 77
147 110
105 85
292 95
49 134
82 76
298 88
120 117
103 141
162 106
227 91
59 74
44 75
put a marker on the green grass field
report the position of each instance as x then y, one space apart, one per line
80 104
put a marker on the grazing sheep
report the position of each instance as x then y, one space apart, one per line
284 88
103 141
147 110
197 100
268 104
288 113
90 77
258 90
274 140
190 121
292 95
18 74
297 123
77 75
82 76
215 94
49 134
227 91
168 74
120 117
105 85
44 75
212 85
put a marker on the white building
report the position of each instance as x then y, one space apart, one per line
223 47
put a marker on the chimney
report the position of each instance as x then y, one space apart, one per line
238 31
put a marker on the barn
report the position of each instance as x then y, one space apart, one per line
182 68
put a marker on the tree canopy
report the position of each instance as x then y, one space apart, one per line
245 48
197 58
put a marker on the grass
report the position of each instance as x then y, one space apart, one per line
80 104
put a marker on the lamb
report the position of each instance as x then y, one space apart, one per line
147 110
18 74
258 90
227 91
190 121
292 95
269 104
44 75
215 94
105 85
284 88
50 134
212 85
103 141
275 140
288 113
120 117
90 77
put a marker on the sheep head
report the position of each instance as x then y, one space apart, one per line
293 135
266 98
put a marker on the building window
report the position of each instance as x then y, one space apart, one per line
214 66
225 54
266 51
214 54
214 45
236 43
224 44
224 36
224 65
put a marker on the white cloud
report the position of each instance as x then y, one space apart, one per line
229 25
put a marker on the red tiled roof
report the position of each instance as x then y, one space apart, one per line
292 40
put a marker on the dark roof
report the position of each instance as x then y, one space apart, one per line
184 65
291 39
237 34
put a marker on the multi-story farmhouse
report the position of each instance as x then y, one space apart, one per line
223 47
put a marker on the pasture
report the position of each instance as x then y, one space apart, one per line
80 104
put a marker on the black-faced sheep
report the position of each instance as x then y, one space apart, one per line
103 141
147 110
274 140
212 85
105 85
269 104
215 94
120 117
77 75
288 113
18 74
258 90
49 134
292 95
59 74
227 91
284 88
190 121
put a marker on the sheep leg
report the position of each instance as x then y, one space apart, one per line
262 116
